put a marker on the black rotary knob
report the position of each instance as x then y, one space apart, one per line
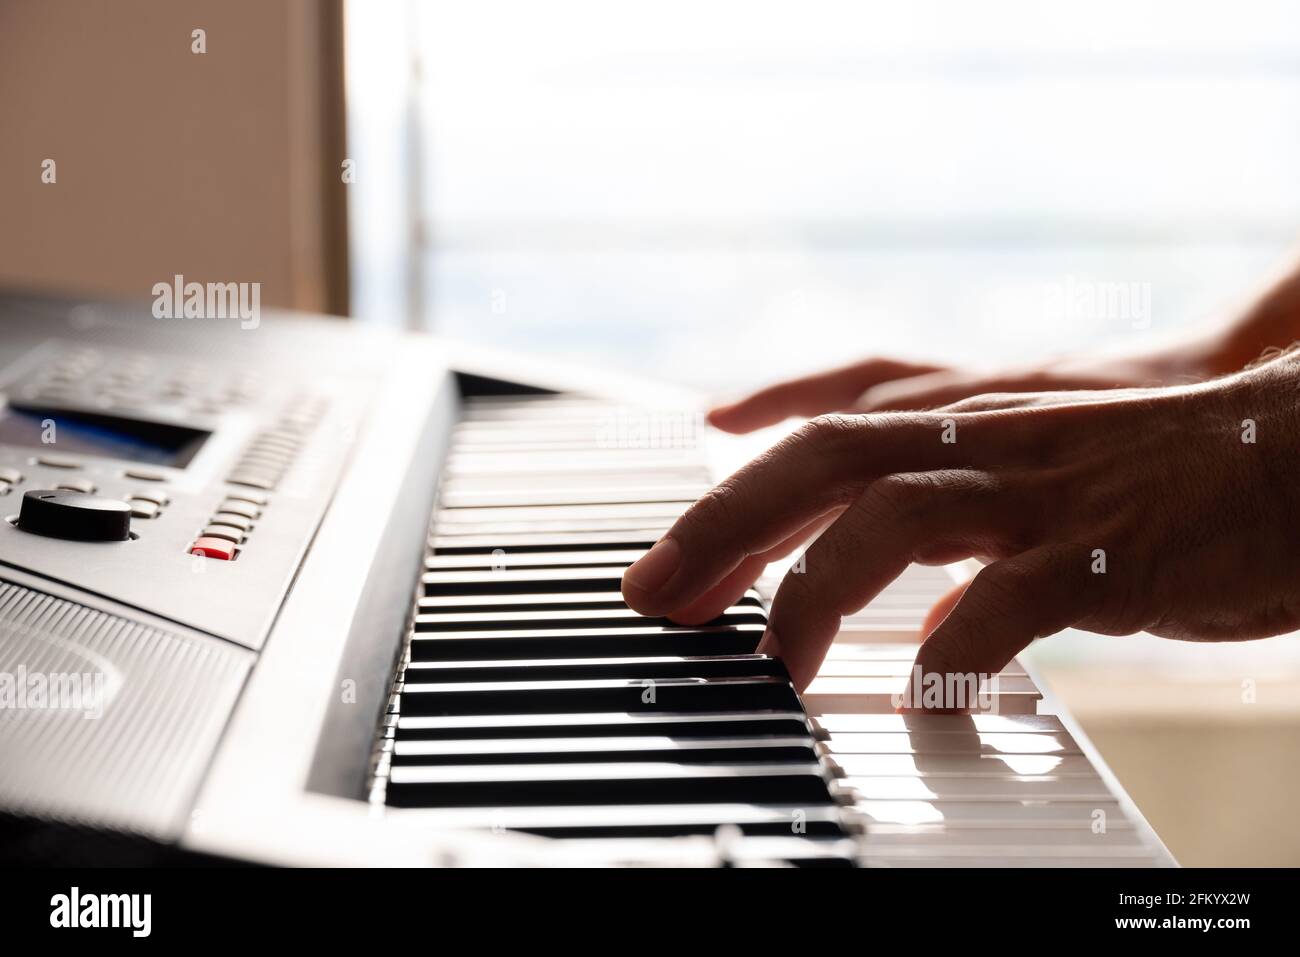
86 518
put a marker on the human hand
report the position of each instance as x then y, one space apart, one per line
1172 511
882 385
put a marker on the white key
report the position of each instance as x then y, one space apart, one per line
1008 788
961 814
961 765
993 742
941 723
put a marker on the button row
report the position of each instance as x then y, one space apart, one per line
134 380
266 459
229 526
272 452
71 464
147 504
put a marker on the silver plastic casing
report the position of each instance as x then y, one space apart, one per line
288 784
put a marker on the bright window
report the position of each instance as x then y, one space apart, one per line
717 191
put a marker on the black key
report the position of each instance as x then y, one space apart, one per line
584 643
542 601
602 694
649 820
566 618
800 750
573 669
813 827
814 822
603 725
648 783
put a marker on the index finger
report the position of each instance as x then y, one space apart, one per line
824 465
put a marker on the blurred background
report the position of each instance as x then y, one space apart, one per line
718 193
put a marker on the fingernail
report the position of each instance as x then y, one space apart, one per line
769 645
652 570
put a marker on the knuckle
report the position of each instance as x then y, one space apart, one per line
826 431
911 495
994 590
899 496
983 402
715 511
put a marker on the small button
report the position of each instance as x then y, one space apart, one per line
58 462
12 476
83 486
261 462
270 450
246 509
157 496
210 547
230 518
252 480
280 443
143 509
144 475
244 495
228 532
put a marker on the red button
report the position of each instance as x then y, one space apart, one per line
217 548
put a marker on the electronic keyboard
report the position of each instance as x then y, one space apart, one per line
335 595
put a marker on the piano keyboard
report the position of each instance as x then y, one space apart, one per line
530 698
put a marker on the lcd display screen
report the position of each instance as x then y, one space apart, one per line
88 433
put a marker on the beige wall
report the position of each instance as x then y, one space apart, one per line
1219 795
1214 771
221 166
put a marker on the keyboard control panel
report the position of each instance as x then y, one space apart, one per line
170 466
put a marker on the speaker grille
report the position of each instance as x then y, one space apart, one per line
105 721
